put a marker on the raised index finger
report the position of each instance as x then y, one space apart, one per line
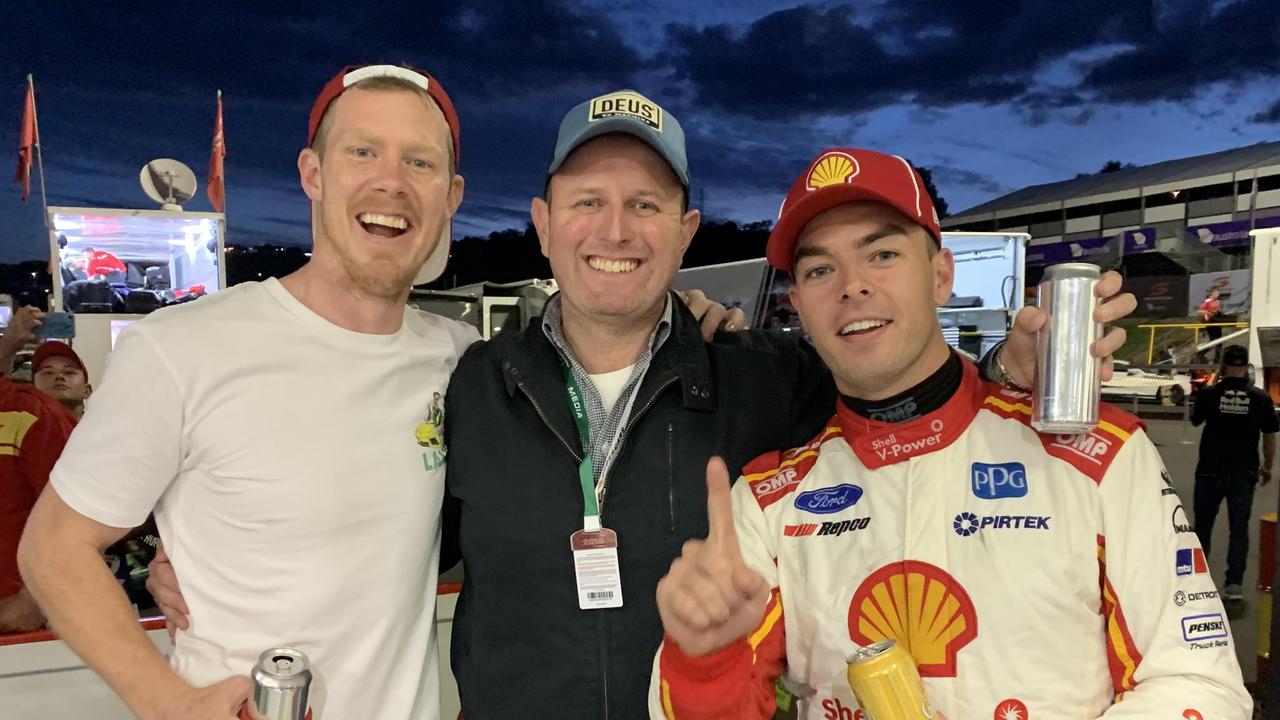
721 534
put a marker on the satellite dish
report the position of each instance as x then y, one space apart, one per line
168 182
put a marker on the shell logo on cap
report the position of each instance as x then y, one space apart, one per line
833 168
919 605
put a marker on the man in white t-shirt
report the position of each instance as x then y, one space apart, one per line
283 433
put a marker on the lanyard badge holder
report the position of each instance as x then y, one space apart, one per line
595 548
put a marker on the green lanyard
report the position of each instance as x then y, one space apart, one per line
586 473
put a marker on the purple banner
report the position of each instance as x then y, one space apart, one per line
1142 240
1228 234
1084 250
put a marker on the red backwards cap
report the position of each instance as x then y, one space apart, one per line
845 175
53 348
353 74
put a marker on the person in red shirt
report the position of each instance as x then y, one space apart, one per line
58 371
33 430
1211 312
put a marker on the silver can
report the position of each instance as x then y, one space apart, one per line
1068 381
281 683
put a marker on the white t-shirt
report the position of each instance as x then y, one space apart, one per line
296 475
609 385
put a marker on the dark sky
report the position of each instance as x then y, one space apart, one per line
992 95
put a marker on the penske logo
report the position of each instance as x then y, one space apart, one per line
1197 628
919 605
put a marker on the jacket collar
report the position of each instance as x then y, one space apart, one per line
533 360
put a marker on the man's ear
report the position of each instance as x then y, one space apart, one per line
309 173
540 213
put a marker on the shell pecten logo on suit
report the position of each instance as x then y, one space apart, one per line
919 605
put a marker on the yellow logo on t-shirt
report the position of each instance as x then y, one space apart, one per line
13 428
430 434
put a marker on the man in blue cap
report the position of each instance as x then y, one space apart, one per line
578 447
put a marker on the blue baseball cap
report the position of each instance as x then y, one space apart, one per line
630 113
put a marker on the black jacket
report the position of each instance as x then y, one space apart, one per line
521 646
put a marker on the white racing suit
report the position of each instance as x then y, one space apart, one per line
1030 576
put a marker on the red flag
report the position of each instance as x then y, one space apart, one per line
214 185
27 141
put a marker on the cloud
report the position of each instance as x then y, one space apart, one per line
812 61
1271 115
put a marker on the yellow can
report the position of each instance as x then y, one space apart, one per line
885 681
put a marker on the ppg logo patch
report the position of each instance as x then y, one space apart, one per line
1001 480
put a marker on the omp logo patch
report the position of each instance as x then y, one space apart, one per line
626 104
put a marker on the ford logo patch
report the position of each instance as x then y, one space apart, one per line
829 500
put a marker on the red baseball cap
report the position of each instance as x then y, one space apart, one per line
845 175
352 74
53 348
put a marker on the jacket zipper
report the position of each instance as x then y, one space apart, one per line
601 619
671 476
622 439
603 630
538 409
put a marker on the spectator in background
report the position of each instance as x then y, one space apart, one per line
1211 312
1234 413
33 430
57 371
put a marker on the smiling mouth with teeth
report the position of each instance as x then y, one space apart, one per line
859 327
612 266
383 225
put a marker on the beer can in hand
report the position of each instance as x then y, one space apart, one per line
281 683
885 681
1068 379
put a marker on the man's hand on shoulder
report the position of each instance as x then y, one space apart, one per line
712 315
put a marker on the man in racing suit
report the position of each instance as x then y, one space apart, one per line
1028 575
